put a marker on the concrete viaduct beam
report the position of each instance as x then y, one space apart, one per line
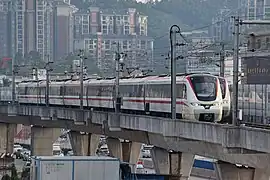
177 164
7 133
83 144
126 151
42 140
227 171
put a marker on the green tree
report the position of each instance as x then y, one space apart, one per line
6 177
14 174
19 59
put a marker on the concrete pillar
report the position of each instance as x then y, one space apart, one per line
177 164
131 151
7 134
83 144
126 151
115 148
42 140
227 171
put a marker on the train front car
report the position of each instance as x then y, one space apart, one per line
204 97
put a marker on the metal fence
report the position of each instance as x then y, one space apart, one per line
254 102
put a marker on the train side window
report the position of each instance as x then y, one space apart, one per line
85 90
155 90
25 90
179 91
139 90
61 90
184 91
106 90
42 90
126 90
166 90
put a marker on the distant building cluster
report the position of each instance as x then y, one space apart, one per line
55 28
222 29
102 31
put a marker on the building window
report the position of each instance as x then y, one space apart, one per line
107 44
143 44
126 30
40 18
85 29
125 44
105 29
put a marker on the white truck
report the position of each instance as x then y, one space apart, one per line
75 168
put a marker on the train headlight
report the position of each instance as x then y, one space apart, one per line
194 104
216 104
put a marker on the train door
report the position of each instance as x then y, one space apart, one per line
185 111
38 94
145 99
62 94
86 87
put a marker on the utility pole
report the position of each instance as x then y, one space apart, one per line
235 69
14 71
48 70
173 69
35 74
222 60
81 55
117 58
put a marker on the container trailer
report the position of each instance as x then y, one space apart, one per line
75 168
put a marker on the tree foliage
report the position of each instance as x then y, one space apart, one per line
14 174
6 177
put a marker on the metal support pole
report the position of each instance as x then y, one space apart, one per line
13 81
47 97
81 79
173 69
235 70
117 68
36 78
222 60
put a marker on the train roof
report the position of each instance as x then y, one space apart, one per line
108 81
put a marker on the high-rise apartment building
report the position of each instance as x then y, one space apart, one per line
99 31
222 28
6 29
63 29
33 21
44 26
258 9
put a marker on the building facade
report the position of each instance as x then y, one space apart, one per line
31 25
222 28
258 9
102 32
6 29
62 29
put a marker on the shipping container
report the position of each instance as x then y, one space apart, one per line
75 168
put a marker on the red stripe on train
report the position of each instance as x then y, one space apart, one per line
103 99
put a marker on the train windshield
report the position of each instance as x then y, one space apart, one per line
222 87
205 87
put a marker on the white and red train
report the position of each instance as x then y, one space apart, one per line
199 96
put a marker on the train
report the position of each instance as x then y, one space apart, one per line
199 95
